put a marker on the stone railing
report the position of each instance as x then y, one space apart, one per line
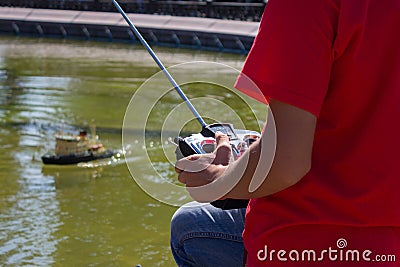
245 11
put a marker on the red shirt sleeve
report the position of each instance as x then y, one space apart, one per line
292 55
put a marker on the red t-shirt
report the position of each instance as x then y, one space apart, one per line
339 60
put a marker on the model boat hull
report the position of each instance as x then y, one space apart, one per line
75 158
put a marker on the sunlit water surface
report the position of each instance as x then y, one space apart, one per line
80 215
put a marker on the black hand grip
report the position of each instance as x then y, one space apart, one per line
183 149
229 203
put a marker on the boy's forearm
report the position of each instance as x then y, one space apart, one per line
262 172
274 181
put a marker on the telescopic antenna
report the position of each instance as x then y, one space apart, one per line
159 63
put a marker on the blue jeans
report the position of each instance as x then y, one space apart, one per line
202 235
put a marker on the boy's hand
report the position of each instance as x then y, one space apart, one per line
201 169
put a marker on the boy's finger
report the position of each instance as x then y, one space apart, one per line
182 178
194 163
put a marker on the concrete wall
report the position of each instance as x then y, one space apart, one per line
201 33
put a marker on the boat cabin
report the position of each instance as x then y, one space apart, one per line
72 144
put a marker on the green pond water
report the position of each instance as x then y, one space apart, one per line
92 214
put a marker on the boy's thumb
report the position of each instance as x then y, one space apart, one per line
223 152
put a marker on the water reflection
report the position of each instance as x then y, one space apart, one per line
87 214
28 226
31 217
